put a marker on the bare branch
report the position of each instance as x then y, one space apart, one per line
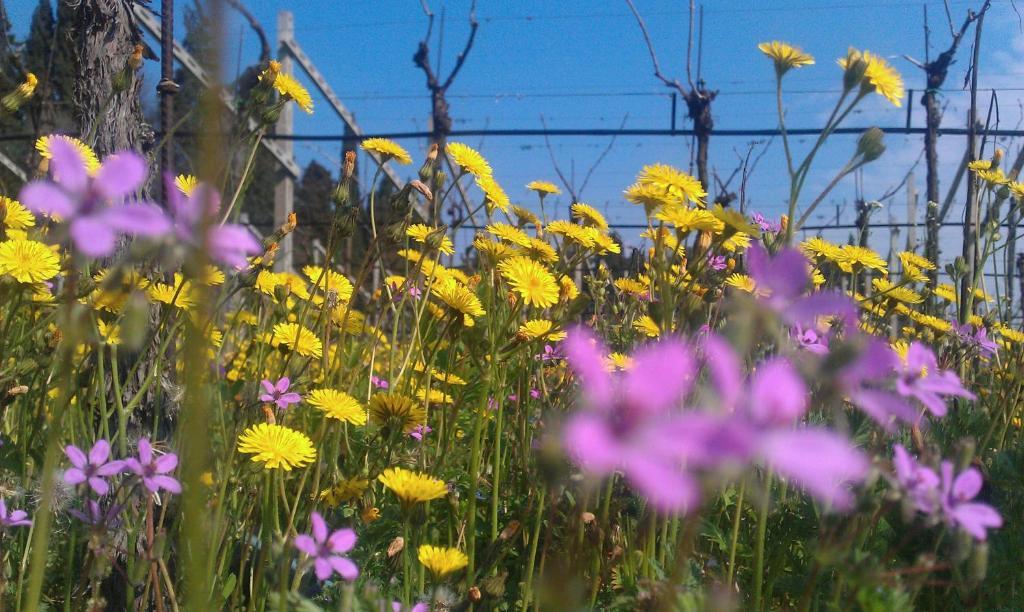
949 18
255 25
430 19
674 83
461 59
689 49
600 158
554 162
914 61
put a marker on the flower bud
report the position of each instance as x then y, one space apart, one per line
13 101
854 68
870 145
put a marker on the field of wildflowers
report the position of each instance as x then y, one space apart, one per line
744 420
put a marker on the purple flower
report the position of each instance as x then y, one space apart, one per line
535 393
396 606
717 262
278 393
765 224
810 340
96 516
865 383
959 510
93 207
782 281
920 483
227 243
326 549
513 398
923 380
975 339
154 470
550 353
14 518
93 469
624 425
378 382
420 431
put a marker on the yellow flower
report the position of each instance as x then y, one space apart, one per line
179 295
186 183
92 163
110 333
530 280
819 247
852 255
468 159
785 56
346 490
688 219
459 298
387 149
540 329
494 194
635 287
412 487
15 215
544 188
543 251
441 561
946 291
567 289
332 281
979 164
420 232
338 405
885 289
436 396
576 233
618 361
1013 335
651 197
879 76
646 326
741 282
509 233
12 101
28 261
675 182
939 325
603 243
395 409
298 339
525 216
913 259
589 215
288 87
993 177
277 446
495 251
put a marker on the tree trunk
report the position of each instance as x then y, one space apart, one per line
105 36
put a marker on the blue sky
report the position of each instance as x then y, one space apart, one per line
583 64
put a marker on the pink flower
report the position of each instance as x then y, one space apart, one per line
923 380
326 550
227 243
278 393
973 517
94 468
13 518
154 470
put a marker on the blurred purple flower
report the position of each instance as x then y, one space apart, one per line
784 280
957 493
378 382
96 516
535 393
717 262
227 243
923 380
93 468
920 483
396 606
93 207
810 339
154 470
976 339
326 549
13 518
420 431
865 383
550 353
765 224
625 423
278 393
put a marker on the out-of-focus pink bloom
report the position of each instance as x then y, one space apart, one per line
810 340
716 262
278 393
920 483
550 353
765 224
922 380
12 518
420 431
973 517
154 470
94 207
378 382
782 282
326 549
975 338
93 469
96 516
866 383
535 393
229 243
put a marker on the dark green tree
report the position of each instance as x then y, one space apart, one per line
315 212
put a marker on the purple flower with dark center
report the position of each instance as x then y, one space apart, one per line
624 425
550 353
420 431
973 517
782 281
94 468
717 262
920 483
94 207
278 393
764 223
96 516
378 382
227 243
326 549
810 340
923 380
154 470
976 339
535 393
13 518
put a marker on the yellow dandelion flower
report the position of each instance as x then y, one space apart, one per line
687 219
543 251
509 233
494 194
588 215
495 251
673 181
346 490
979 164
651 197
92 162
646 326
412 487
911 258
617 361
276 446
879 76
396 410
946 291
852 255
741 282
544 188
468 159
459 298
785 56
540 329
180 294
28 261
635 287
994 177
940 325
525 217
737 242
110 333
819 247
603 243
575 233
186 183
1013 335
567 289
441 561
435 396
288 87
337 405
387 149
331 281
420 233
298 339
530 280
15 215
887 290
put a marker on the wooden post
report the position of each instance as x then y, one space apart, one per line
284 192
911 213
